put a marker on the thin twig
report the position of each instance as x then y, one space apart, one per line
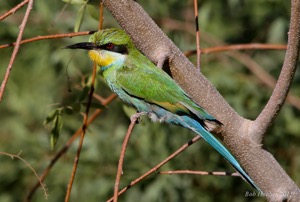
152 170
31 168
84 127
66 147
193 172
13 10
236 47
259 46
16 49
197 35
53 36
101 16
121 159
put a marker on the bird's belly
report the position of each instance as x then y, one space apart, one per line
155 112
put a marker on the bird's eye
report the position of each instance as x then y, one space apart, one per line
109 46
114 48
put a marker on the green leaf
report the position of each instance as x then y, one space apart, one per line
71 109
68 110
50 116
93 11
56 129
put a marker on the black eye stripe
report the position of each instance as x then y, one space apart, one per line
115 48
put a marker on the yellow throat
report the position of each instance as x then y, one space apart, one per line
101 58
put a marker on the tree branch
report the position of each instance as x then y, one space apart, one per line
52 36
282 188
122 156
237 131
196 172
155 168
16 48
82 135
13 10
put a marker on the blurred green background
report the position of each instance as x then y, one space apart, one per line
46 77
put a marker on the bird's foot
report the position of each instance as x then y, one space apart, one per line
136 117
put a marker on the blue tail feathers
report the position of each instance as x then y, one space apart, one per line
192 124
196 127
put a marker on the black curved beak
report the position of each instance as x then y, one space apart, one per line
83 45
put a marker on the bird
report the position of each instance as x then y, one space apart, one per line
140 83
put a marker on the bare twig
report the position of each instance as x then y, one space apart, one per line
197 35
84 127
152 170
40 181
16 49
66 147
101 15
13 10
121 159
53 36
193 172
236 47
259 46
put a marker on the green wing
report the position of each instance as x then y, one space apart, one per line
155 86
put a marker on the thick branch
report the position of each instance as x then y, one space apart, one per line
237 131
282 187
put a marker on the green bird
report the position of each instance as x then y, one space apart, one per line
138 82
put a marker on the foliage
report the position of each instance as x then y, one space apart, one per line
46 77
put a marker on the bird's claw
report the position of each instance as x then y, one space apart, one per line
136 117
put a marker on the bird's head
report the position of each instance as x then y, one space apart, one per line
107 47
